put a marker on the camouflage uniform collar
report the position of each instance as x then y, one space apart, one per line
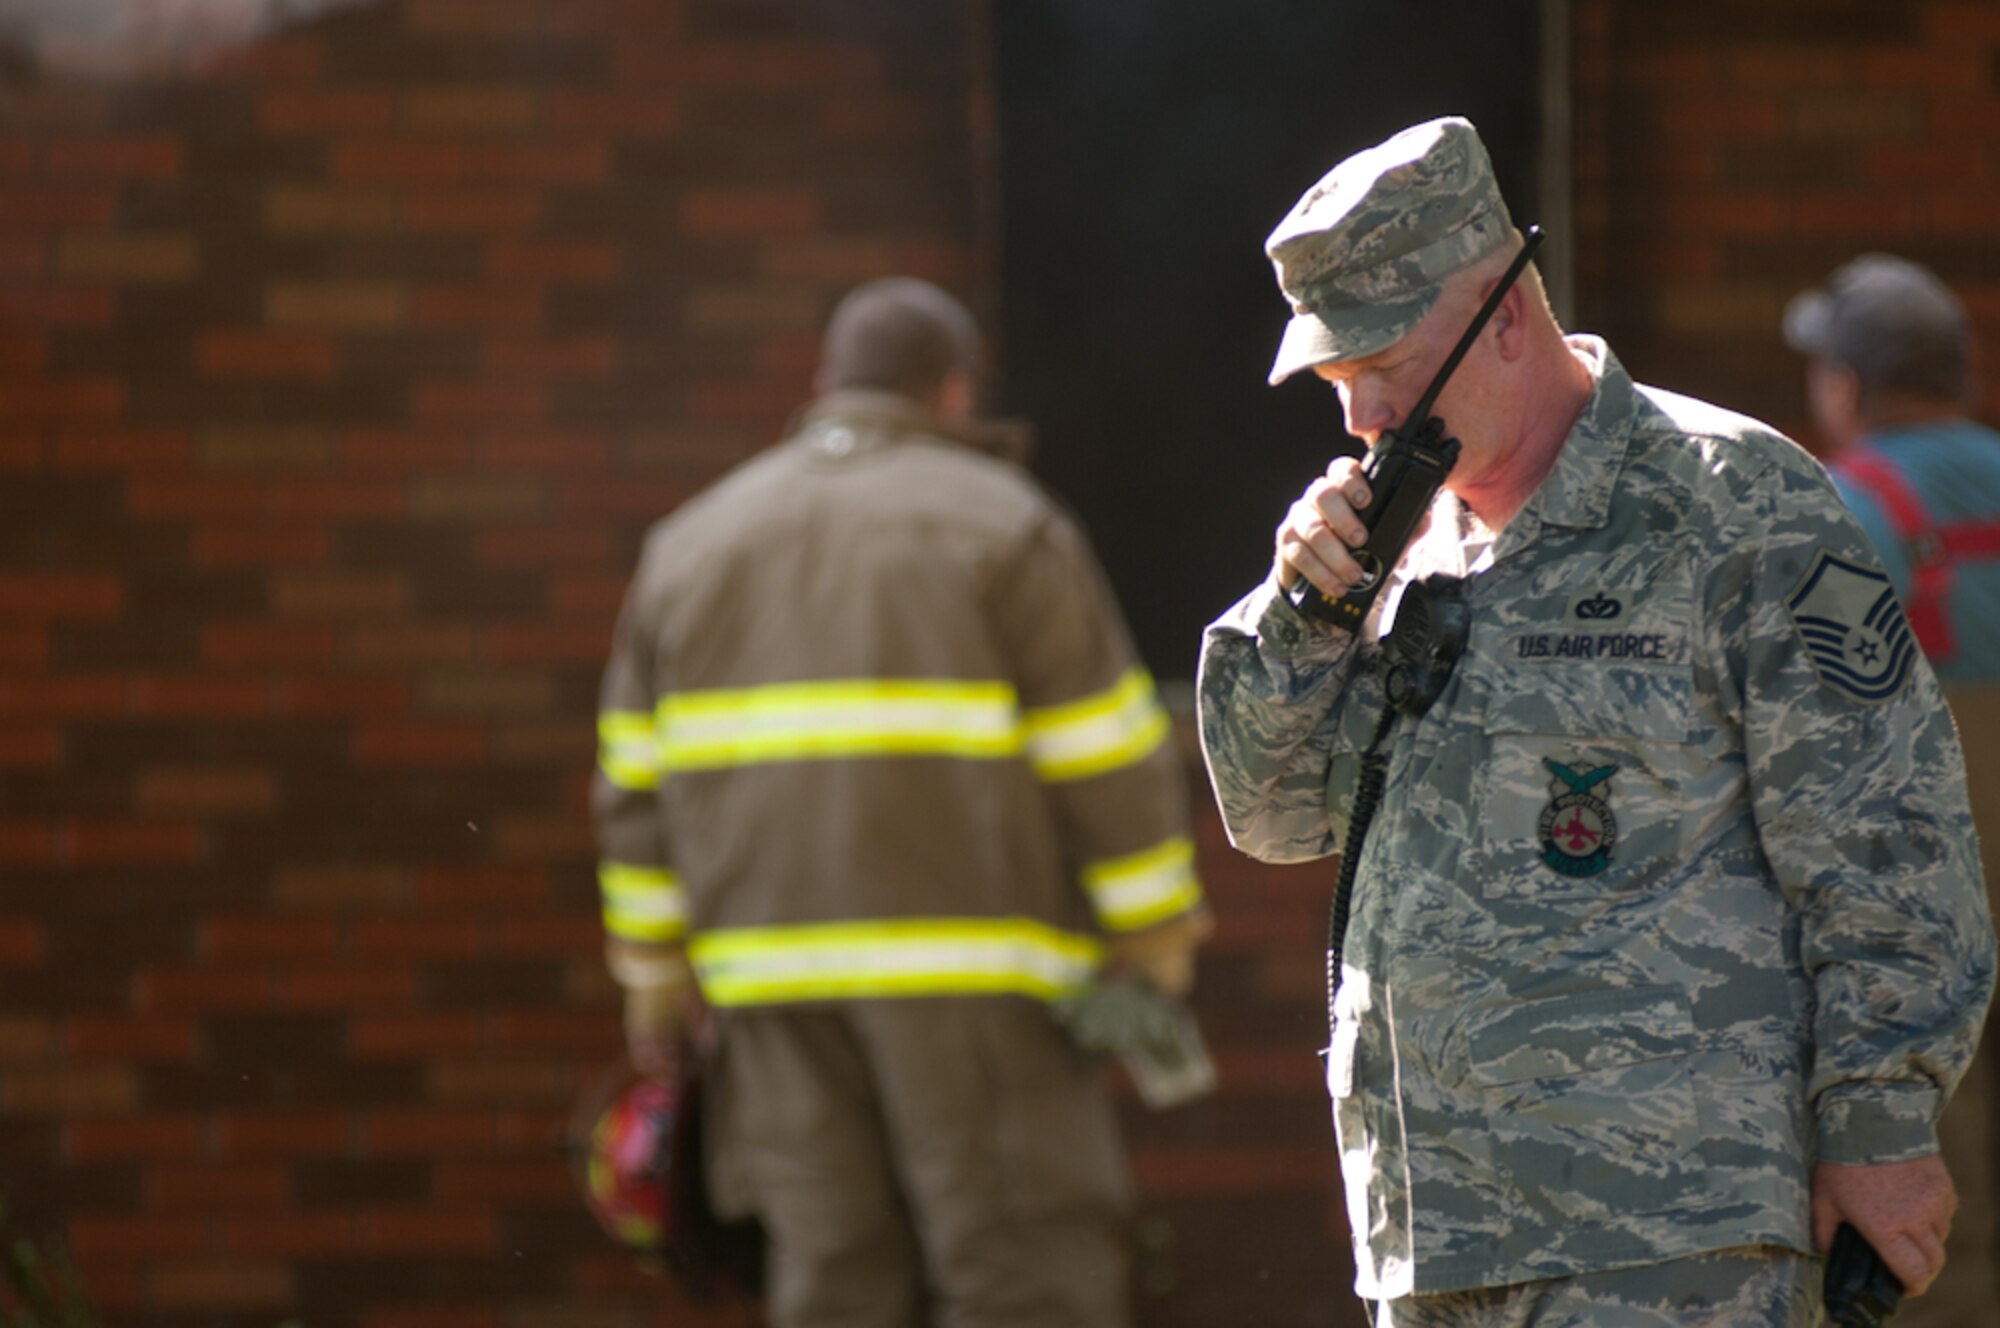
1576 493
882 417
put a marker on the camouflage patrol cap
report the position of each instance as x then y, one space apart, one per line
1363 255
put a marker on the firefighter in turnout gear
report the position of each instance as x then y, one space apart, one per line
881 784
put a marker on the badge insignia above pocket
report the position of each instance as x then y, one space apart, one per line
1577 828
1853 629
1597 607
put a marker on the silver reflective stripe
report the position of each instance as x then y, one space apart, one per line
1146 887
1116 727
642 903
628 749
707 730
894 957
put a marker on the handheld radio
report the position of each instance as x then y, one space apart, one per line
1404 470
1860 1290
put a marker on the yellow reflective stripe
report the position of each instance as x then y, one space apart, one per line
1113 728
627 749
708 730
896 957
642 903
1143 888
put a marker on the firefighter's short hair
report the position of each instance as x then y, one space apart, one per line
898 334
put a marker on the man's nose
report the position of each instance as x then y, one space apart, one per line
1366 411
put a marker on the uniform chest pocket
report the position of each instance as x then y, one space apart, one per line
1584 789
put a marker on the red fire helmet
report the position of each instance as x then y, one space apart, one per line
639 1151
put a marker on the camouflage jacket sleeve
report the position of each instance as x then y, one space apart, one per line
1286 708
1859 795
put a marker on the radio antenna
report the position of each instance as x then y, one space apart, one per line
1422 410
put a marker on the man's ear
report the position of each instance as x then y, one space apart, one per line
1510 324
956 396
1834 393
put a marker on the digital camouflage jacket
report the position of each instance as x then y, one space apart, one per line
1673 892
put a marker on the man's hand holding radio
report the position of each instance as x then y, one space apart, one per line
1319 533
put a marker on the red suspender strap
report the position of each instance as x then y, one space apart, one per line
1930 566
1971 539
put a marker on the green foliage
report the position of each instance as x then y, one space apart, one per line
42 1290
39 1290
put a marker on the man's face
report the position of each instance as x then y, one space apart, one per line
1378 391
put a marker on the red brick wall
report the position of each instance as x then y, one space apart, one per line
1731 155
336 388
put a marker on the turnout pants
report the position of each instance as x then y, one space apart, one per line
922 1163
1745 1288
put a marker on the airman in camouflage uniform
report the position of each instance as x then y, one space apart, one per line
1669 941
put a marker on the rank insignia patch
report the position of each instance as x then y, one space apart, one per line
1577 828
1853 629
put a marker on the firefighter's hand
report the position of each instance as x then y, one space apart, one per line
662 1007
1903 1209
1163 954
1318 534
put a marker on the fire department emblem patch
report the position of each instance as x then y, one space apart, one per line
1853 629
1577 828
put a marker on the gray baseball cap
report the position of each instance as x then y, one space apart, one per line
1892 321
1364 254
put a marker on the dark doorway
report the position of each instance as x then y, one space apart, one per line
1146 151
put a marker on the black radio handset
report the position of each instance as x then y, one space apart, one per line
1404 470
1859 1289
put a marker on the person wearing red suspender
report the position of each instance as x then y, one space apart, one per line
1934 547
1890 385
